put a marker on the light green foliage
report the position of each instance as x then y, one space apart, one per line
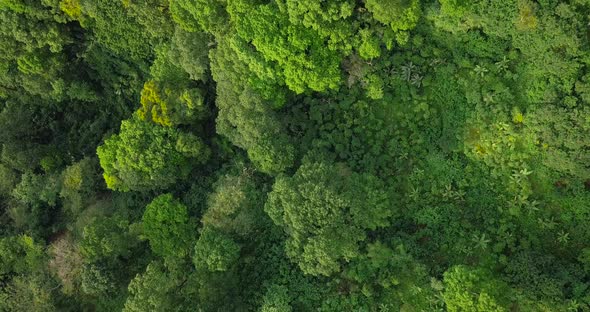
401 15
497 141
192 146
32 31
330 19
170 98
215 251
296 51
182 15
168 227
325 210
144 156
168 107
453 7
370 45
276 299
209 15
29 64
374 87
469 289
190 51
73 9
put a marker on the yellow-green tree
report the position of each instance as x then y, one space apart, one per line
146 156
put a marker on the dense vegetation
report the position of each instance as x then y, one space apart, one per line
294 155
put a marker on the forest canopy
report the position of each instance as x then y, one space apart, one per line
294 155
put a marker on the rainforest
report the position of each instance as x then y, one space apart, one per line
295 155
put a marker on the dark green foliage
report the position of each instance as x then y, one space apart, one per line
261 134
28 294
190 52
562 136
235 205
79 185
326 210
96 281
117 29
214 251
168 227
107 238
153 16
157 289
391 276
19 255
8 180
